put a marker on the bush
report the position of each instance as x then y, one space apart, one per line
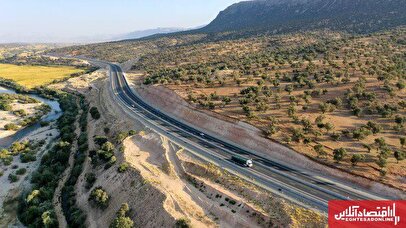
99 197
339 154
10 127
356 158
105 155
39 211
122 221
108 146
27 157
44 123
123 167
90 180
12 178
21 171
182 223
94 113
121 136
100 140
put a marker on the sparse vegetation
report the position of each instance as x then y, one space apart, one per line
40 212
122 220
99 197
75 216
282 84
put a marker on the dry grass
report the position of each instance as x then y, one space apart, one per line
206 74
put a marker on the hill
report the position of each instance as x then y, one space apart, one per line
317 92
148 32
280 16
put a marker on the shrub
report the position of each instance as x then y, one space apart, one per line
12 178
400 155
21 171
108 146
39 212
122 221
356 158
320 150
28 157
99 197
104 155
90 180
10 127
121 136
100 140
94 112
123 167
44 123
182 223
374 127
339 154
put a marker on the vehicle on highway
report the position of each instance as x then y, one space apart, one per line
246 162
201 134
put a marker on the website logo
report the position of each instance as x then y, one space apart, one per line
366 213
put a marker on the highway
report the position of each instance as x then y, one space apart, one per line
303 188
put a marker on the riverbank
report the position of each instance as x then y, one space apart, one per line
10 189
32 142
21 118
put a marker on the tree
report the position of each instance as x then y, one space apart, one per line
100 140
123 167
329 126
326 107
402 141
99 197
320 150
297 134
94 113
48 219
368 147
339 154
289 89
381 162
356 158
380 142
10 127
182 223
291 110
122 221
399 155
374 127
108 146
226 100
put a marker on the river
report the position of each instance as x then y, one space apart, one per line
54 114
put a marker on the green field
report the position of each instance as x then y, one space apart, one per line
32 76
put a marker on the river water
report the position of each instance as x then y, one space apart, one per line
54 114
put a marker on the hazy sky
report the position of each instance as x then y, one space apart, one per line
65 20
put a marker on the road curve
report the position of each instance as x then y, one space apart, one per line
306 189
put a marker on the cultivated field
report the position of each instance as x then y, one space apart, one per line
32 76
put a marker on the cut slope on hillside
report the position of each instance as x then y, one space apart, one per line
321 93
